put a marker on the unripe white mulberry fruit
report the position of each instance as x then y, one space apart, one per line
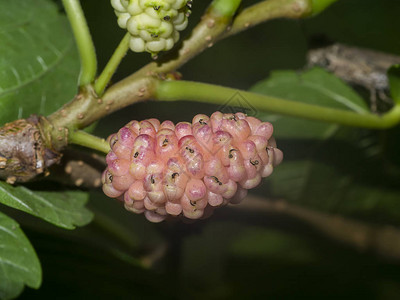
154 25
189 168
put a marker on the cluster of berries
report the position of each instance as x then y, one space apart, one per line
154 25
188 168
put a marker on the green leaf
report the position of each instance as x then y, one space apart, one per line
273 244
315 86
342 176
394 81
338 171
10 289
39 64
19 264
290 178
64 209
326 188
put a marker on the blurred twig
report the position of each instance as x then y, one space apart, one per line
80 169
382 240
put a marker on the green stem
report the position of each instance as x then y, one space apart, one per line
85 139
83 40
87 107
320 5
213 94
267 10
212 25
226 8
112 65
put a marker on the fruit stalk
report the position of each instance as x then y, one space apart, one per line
195 91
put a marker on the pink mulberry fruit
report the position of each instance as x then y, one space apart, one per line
189 168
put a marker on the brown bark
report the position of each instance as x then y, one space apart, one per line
24 153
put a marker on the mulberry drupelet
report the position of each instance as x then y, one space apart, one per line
154 25
189 168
